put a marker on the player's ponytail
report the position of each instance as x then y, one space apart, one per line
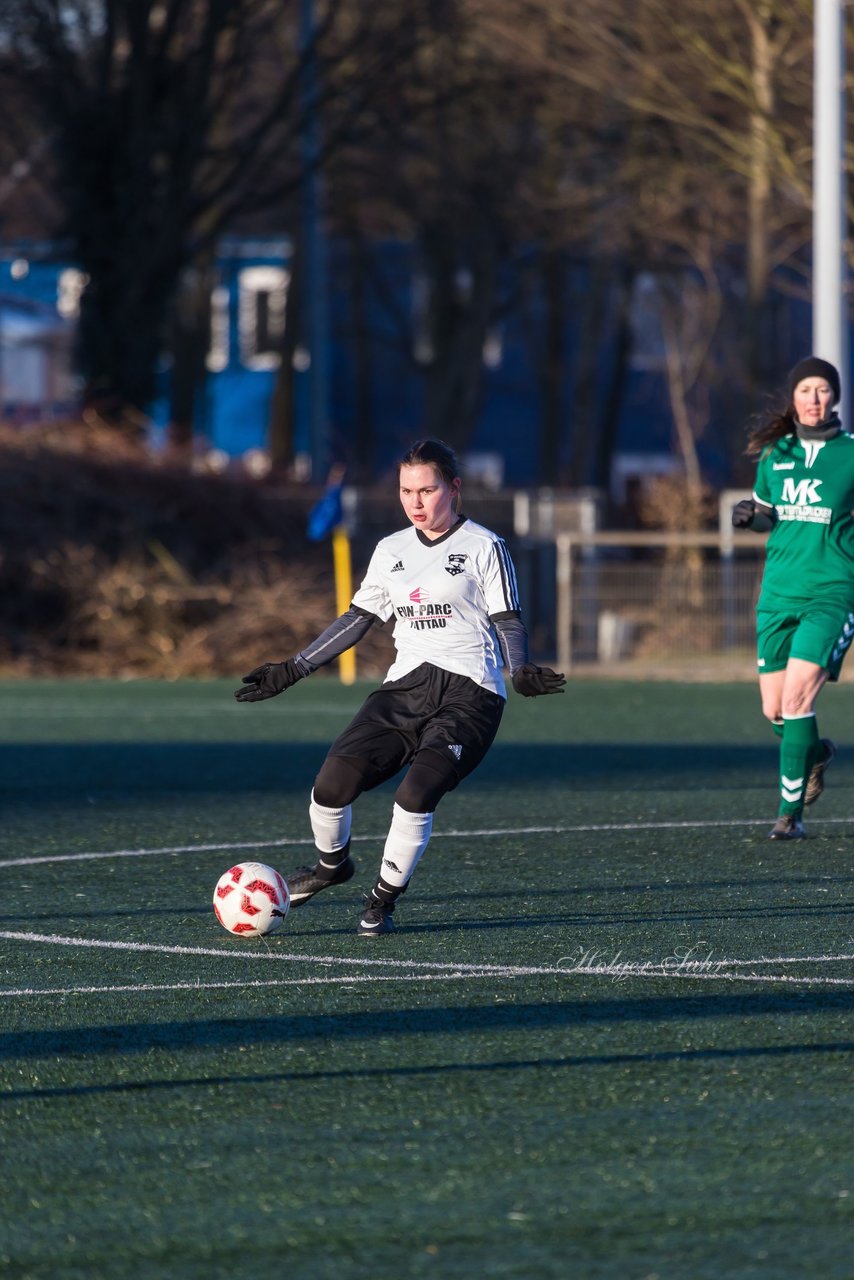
766 431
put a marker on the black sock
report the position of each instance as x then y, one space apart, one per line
386 893
328 863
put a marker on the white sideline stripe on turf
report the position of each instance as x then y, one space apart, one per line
152 853
270 956
578 829
351 979
706 970
229 986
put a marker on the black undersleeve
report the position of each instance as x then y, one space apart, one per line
338 637
513 639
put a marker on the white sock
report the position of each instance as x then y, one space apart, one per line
406 841
331 829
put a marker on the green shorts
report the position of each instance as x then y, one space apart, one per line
819 633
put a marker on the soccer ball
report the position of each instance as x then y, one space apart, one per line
251 899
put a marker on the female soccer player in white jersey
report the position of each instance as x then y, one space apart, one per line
805 616
450 586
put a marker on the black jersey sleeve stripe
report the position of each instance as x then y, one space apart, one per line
508 575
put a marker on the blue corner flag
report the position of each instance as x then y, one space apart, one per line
325 514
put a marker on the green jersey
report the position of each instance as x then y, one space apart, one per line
810 552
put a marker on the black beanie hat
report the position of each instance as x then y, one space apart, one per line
813 367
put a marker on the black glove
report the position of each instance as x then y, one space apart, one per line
743 513
268 680
531 681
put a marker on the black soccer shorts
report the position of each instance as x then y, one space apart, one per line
428 708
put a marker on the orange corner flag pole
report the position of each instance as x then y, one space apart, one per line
342 562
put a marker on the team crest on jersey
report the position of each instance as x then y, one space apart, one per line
456 564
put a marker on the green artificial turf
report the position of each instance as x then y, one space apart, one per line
612 1038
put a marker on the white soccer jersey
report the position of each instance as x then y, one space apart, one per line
442 594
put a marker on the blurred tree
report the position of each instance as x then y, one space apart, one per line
734 81
168 119
642 139
448 166
694 127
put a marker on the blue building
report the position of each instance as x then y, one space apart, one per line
39 299
38 306
247 319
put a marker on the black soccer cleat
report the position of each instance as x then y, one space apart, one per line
376 918
815 782
787 827
305 882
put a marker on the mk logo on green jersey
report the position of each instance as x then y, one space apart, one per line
803 493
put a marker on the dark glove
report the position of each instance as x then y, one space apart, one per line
531 681
743 513
268 680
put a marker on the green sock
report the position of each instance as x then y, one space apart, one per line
777 726
798 751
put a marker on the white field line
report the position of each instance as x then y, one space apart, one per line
161 852
475 833
143 987
424 970
351 979
289 957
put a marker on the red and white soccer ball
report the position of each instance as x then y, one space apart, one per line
251 900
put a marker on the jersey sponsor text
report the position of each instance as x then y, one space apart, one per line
442 598
802 492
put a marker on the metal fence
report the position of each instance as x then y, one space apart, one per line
612 597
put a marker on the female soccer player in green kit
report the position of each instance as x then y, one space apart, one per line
804 495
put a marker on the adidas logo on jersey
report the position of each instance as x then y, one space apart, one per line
397 568
455 750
